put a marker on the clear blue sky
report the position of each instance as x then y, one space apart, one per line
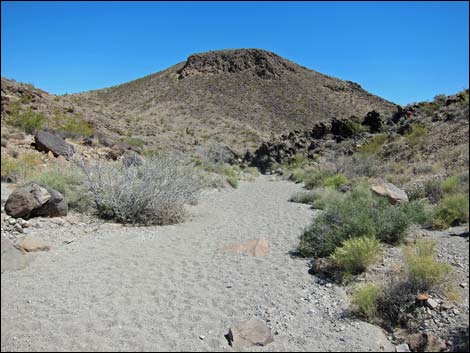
402 51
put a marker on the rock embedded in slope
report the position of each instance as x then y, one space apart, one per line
252 332
45 141
392 192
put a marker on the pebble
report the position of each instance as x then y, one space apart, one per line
432 304
201 337
463 285
12 221
402 348
328 285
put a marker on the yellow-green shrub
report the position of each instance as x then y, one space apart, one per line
424 272
365 300
335 181
373 146
72 126
356 254
451 210
20 169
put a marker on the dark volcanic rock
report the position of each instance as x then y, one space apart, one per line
261 63
373 121
45 141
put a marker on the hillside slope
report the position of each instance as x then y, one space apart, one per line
233 96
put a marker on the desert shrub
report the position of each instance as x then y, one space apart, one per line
396 303
360 166
297 161
335 181
325 196
356 254
424 272
373 146
365 300
450 184
355 214
416 212
18 170
154 192
134 141
316 178
233 181
298 175
72 126
452 210
416 135
29 121
306 197
69 182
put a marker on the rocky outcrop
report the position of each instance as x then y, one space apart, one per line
373 121
45 141
33 200
258 62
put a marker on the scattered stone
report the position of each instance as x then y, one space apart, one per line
13 259
463 285
402 348
45 141
423 342
252 332
31 243
255 247
19 228
201 337
432 304
422 297
393 193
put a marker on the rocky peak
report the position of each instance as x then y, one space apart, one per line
256 62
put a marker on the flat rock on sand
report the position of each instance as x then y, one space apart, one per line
31 243
161 288
254 247
12 258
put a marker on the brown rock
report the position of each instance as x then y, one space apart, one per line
31 243
25 199
252 332
33 200
255 247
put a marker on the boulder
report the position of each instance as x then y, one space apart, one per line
31 243
45 141
25 199
255 247
252 332
12 258
393 193
373 121
33 200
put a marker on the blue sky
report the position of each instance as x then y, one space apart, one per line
402 51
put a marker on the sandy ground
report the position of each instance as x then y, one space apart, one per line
174 288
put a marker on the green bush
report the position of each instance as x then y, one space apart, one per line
355 214
306 197
365 300
416 135
69 182
316 178
298 175
19 170
424 272
356 254
233 181
452 210
29 121
373 146
335 181
72 126
450 184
